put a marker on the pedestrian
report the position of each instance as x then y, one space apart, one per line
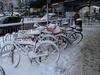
76 16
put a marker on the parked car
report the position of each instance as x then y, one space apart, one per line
51 16
14 13
9 24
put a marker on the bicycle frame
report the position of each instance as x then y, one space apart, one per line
25 41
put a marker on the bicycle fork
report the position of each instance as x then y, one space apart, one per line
33 55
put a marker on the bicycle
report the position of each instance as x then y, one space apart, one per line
58 38
40 51
73 35
76 35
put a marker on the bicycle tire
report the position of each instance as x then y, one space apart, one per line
76 37
63 41
2 72
51 48
10 55
50 37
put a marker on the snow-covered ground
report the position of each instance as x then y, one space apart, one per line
77 59
26 68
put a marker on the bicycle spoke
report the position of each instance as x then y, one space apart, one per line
10 56
51 53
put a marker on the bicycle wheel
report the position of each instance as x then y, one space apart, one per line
50 37
9 54
47 52
76 37
62 41
2 72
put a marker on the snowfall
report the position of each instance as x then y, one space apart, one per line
71 60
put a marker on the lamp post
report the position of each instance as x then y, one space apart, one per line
27 7
48 2
2 7
11 6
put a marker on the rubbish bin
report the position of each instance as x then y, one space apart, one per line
79 24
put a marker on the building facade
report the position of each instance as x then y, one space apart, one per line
6 4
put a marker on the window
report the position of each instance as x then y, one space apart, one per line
12 20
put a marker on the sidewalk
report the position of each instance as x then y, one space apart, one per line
86 59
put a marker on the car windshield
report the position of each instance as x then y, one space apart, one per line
2 19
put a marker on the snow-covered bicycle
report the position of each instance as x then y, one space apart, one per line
40 51
74 35
58 38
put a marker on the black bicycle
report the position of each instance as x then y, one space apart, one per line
73 35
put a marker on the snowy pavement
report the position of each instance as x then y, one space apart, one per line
77 59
